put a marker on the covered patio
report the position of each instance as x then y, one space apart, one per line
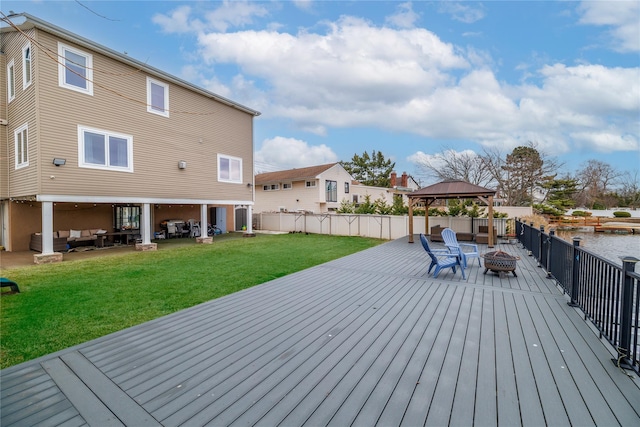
368 339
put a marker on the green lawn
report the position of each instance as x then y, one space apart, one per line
61 305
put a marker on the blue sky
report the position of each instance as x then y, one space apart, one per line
410 79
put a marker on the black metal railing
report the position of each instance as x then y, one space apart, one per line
607 294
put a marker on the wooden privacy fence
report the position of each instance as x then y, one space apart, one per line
388 227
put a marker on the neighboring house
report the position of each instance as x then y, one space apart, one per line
405 185
91 138
320 189
316 189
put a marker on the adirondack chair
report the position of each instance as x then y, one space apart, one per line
465 250
441 259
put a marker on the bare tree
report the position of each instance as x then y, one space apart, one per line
597 179
630 188
450 164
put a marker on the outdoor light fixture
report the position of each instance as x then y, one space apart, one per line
59 162
182 164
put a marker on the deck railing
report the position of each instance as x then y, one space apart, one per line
607 294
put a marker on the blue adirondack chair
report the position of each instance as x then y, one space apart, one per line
465 250
441 258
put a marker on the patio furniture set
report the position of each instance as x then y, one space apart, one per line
458 255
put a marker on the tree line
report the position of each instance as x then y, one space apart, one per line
524 177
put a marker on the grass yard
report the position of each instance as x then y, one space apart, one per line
61 305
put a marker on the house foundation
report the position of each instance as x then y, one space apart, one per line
47 258
146 246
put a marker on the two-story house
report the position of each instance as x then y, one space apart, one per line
92 138
316 189
321 189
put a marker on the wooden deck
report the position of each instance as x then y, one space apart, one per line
369 339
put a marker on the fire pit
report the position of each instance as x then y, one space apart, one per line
500 262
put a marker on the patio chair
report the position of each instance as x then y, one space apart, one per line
441 258
465 250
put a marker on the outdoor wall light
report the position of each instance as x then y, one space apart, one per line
59 162
182 164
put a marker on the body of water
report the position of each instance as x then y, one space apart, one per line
611 246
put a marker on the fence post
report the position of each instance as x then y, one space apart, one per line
552 233
540 245
575 270
626 315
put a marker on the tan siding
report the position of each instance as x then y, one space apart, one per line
4 150
119 105
22 182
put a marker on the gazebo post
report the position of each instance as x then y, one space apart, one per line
491 237
410 219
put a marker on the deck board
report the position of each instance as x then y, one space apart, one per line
368 339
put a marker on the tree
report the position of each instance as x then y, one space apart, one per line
561 193
457 165
372 170
597 179
524 172
630 190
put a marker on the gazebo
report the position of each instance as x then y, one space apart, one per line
451 189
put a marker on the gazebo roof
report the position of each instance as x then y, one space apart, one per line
452 189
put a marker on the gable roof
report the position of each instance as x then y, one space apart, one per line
297 174
452 189
29 21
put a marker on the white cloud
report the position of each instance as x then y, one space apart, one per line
287 153
621 16
228 15
405 17
351 73
463 12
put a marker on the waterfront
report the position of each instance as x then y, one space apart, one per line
611 246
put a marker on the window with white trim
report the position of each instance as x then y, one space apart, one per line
21 136
26 65
310 184
229 169
272 187
346 188
287 186
11 81
75 69
101 149
157 97
331 191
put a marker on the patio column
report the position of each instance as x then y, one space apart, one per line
204 235
47 228
250 220
491 237
146 224
47 255
145 230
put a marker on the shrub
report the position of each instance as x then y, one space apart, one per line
622 214
581 213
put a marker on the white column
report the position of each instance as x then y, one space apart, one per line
203 221
249 220
47 228
146 223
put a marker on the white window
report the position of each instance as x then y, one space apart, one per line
309 184
272 187
26 66
229 169
157 97
75 69
287 186
100 149
21 136
11 81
